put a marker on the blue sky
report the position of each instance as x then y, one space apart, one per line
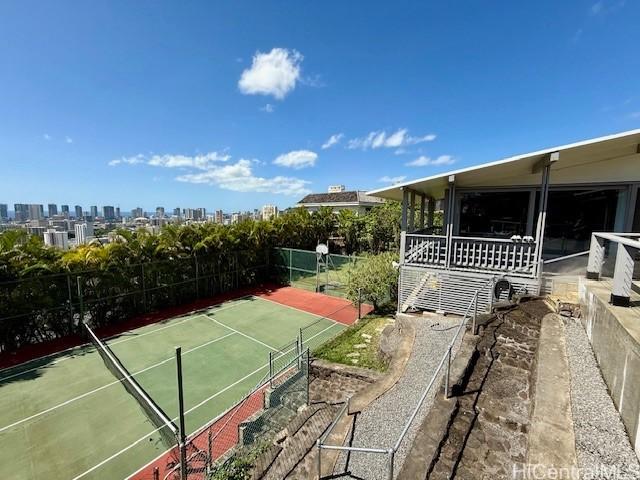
229 104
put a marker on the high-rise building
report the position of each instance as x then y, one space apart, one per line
84 232
36 212
219 216
269 212
21 212
137 212
201 213
56 239
93 211
176 212
108 212
78 210
65 210
160 212
4 211
52 209
118 216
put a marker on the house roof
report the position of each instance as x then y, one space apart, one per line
609 159
353 197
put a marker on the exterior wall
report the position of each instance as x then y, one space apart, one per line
615 339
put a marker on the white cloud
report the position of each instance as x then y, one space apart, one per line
388 179
297 159
379 139
597 7
239 177
333 140
423 161
46 136
68 140
201 162
268 108
136 159
634 115
274 73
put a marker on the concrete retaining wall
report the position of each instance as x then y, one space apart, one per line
613 333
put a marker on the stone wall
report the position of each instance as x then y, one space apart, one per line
614 333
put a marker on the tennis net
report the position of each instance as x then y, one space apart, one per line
167 429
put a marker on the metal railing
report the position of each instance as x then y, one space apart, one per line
627 249
390 452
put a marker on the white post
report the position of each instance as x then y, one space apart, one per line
412 211
422 205
596 257
623 276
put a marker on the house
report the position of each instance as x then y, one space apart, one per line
357 201
518 217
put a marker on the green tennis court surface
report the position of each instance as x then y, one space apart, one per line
67 417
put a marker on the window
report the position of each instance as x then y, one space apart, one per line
494 214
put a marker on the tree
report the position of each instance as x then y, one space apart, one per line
374 279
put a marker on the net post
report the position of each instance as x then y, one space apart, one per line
183 446
156 473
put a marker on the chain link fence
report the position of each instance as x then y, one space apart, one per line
46 307
301 269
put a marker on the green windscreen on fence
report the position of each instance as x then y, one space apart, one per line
302 269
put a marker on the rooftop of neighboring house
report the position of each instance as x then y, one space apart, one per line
352 197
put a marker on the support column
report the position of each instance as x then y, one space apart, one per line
422 205
412 211
596 258
431 207
450 214
623 276
542 210
405 202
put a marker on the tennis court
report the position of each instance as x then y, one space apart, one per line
65 416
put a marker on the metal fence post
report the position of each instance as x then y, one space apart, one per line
183 437
70 301
359 303
290 265
210 451
144 288
195 258
446 378
270 369
475 312
391 459
156 473
80 300
319 445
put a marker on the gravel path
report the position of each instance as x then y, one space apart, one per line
381 423
602 444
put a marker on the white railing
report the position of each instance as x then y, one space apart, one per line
626 251
476 254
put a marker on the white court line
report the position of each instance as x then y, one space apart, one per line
199 429
95 390
55 362
240 333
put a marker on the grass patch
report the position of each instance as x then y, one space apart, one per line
337 349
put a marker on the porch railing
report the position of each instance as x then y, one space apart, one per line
492 255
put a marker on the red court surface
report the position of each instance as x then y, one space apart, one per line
335 308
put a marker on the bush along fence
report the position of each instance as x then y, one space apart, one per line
46 307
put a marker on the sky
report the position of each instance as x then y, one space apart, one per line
234 104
